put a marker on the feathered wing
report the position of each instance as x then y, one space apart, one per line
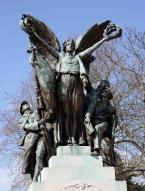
43 61
93 35
34 28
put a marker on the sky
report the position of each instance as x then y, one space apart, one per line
66 18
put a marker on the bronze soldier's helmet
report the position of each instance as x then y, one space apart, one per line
21 107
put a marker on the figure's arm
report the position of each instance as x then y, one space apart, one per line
91 104
92 48
26 126
88 115
22 123
34 126
83 73
52 50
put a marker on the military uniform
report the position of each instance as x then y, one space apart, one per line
33 144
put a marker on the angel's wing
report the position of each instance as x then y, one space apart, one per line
35 28
93 35
41 59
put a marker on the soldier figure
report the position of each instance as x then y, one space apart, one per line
32 141
99 115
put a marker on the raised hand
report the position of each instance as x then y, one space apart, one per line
112 31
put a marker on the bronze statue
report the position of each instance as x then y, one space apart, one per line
99 115
33 141
62 76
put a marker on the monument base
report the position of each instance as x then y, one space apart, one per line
75 169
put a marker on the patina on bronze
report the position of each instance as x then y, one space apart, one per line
62 76
99 115
33 142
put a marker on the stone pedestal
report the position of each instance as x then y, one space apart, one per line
75 169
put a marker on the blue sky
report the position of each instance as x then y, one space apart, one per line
66 18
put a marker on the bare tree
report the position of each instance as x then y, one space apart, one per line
10 150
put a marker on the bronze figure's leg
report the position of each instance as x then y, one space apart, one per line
100 129
39 159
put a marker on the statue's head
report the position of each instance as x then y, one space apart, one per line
69 46
104 84
24 106
104 90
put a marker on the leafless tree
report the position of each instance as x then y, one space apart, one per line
11 153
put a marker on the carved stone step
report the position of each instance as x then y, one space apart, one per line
75 161
90 173
73 150
75 169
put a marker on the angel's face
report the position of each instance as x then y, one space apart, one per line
69 47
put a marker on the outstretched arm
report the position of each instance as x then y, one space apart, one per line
92 48
52 50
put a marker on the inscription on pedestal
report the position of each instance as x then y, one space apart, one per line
80 187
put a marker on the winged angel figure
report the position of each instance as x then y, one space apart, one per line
63 75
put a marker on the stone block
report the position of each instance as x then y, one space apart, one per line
75 161
73 150
76 169
121 186
90 173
